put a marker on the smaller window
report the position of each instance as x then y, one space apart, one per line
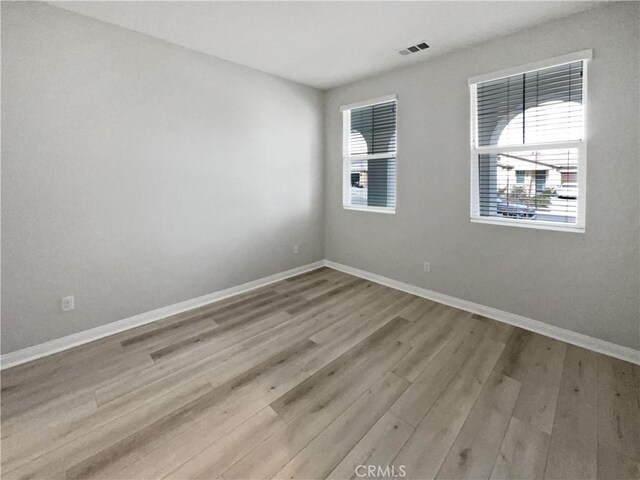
369 155
519 176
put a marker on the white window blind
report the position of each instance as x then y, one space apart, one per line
528 146
369 155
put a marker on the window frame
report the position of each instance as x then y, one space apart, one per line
581 145
347 158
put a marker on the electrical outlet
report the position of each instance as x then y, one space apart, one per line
68 303
296 249
427 267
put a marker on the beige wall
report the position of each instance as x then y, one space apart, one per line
588 283
137 174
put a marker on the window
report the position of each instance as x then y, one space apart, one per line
528 139
369 155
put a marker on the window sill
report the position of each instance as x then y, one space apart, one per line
364 208
540 225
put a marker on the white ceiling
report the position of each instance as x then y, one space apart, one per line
324 44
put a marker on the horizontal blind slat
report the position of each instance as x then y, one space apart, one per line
537 107
516 99
373 129
373 182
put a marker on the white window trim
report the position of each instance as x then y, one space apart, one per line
346 158
368 103
583 55
365 208
581 145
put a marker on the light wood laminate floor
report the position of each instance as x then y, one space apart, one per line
309 378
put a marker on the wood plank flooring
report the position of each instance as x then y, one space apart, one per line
313 376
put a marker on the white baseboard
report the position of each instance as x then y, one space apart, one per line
59 344
568 336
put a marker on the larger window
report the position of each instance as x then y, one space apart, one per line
528 149
369 155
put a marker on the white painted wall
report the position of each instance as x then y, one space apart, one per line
137 174
587 283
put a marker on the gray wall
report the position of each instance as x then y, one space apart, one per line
137 174
588 283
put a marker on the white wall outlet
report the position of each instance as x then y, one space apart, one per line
68 303
427 267
296 249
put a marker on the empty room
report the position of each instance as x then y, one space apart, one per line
250 240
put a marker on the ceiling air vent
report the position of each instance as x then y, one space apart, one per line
414 48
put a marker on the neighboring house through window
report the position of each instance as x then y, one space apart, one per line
528 145
369 155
